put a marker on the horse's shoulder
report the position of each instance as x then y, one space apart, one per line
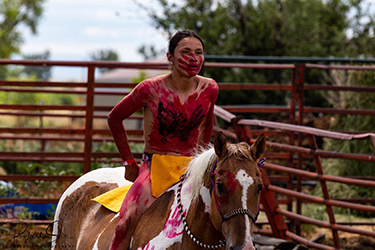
165 200
152 221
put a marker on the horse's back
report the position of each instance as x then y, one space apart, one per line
79 221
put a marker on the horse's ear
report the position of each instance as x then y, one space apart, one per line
220 145
258 148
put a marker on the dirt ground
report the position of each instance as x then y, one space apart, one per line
348 241
23 236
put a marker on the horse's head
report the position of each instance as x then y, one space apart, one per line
235 186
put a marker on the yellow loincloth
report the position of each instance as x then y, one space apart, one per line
113 199
165 172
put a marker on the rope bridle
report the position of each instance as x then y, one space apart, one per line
224 217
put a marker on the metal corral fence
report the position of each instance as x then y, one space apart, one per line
284 185
271 206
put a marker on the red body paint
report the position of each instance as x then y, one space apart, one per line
172 225
174 126
170 126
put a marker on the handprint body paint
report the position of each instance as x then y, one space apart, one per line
190 63
188 56
174 126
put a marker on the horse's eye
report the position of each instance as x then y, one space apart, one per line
260 186
221 189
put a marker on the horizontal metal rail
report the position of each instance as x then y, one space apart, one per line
316 176
325 224
320 200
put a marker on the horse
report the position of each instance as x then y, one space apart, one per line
214 205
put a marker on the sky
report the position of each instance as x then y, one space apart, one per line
72 29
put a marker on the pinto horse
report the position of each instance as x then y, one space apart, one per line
215 205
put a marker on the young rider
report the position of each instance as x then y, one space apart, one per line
178 118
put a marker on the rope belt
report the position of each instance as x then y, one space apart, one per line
146 157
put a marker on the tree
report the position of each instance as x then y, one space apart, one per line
104 55
41 73
272 27
148 52
13 14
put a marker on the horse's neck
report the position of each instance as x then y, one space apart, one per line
199 218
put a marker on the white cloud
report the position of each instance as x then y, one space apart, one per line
101 32
71 29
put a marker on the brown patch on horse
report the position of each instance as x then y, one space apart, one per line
200 220
153 220
81 220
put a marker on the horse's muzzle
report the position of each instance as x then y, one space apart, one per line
248 246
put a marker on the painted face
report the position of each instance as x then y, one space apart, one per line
188 56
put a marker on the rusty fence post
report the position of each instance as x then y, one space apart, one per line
89 118
325 191
299 79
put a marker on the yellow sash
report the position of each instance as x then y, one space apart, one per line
165 172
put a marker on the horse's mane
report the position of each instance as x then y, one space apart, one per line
202 163
199 166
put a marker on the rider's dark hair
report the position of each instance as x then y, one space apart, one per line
179 36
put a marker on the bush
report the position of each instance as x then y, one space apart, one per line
342 167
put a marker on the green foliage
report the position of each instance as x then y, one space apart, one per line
7 190
355 100
111 147
314 211
33 98
142 76
40 72
13 15
271 27
104 55
342 167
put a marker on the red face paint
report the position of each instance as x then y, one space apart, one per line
190 63
189 56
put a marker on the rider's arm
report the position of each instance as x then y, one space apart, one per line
133 102
207 125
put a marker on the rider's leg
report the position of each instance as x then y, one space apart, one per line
137 200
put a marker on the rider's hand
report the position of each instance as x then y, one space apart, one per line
131 172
